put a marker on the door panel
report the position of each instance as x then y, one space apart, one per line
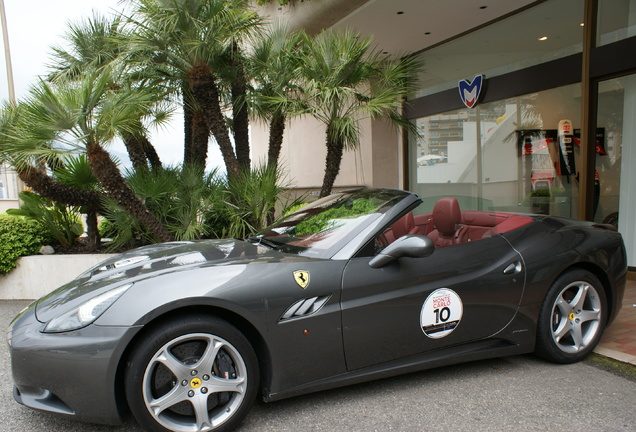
474 291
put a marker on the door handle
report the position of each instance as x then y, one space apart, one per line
512 268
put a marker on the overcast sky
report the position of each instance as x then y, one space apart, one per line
36 25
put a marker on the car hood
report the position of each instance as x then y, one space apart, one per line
151 261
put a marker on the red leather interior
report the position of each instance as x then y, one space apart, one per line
448 225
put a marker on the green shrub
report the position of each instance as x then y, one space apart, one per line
123 229
63 223
19 237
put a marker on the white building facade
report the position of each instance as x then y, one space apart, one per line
542 64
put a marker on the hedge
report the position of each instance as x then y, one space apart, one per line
19 237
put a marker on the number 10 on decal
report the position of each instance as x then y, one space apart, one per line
441 313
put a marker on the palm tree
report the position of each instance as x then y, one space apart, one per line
277 94
84 116
196 48
345 80
92 44
22 143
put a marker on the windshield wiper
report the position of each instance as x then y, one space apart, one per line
261 240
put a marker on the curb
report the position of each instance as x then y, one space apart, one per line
616 355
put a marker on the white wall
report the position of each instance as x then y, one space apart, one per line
6 204
38 275
304 151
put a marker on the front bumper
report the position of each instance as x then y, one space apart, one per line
73 373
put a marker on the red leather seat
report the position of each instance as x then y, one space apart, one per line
402 226
447 218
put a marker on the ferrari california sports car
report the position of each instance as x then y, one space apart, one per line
353 287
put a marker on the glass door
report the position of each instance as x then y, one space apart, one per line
616 157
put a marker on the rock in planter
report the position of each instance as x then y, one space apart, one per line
47 250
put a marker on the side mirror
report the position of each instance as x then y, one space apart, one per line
410 246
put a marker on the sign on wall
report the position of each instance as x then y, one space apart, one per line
470 91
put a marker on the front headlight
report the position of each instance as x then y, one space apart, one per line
85 313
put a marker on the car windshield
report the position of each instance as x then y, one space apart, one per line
324 226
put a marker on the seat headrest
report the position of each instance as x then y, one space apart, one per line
403 225
447 215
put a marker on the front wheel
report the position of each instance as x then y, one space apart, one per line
196 373
572 317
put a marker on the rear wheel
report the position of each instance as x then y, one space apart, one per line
196 373
572 317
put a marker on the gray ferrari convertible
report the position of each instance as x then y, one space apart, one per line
360 285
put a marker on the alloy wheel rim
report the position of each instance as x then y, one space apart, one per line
195 382
576 317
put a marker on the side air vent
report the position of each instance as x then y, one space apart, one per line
305 307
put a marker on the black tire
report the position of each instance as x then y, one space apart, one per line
193 371
572 317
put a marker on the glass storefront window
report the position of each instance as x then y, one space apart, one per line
616 20
506 46
616 158
8 189
504 155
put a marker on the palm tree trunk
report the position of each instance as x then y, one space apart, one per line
135 150
92 230
196 132
115 185
151 153
188 116
197 152
335 150
206 93
241 119
276 133
141 151
56 191
59 192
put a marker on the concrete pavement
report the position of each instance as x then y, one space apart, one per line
519 393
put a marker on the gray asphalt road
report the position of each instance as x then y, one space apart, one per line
514 393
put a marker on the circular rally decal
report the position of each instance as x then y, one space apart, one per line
441 313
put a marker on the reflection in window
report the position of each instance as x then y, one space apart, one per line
187 259
615 97
322 226
616 20
504 154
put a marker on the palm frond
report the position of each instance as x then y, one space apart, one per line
91 43
77 172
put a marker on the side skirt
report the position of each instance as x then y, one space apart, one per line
479 350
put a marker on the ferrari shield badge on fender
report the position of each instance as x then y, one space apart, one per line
302 278
469 92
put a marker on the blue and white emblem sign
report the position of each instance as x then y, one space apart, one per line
470 91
